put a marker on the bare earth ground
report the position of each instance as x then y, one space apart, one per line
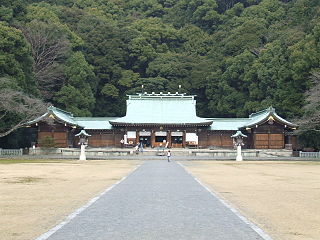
34 197
283 198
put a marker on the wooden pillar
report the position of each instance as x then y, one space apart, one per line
169 138
153 138
137 137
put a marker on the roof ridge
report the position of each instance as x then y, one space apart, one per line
269 109
60 110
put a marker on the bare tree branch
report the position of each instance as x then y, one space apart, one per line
21 107
49 47
311 118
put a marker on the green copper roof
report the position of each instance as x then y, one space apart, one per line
92 123
254 119
161 109
228 123
57 114
170 109
266 114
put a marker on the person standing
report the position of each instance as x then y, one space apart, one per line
141 147
168 155
137 148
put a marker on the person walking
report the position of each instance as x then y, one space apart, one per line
168 155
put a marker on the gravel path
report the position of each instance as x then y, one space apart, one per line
159 200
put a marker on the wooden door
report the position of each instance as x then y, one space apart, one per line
226 140
60 139
261 140
268 141
276 141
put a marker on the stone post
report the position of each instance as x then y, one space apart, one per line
239 155
238 139
83 135
82 153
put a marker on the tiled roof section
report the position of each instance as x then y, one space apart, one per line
62 115
254 119
264 115
166 109
95 123
57 114
177 109
231 124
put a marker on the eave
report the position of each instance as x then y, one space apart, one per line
51 114
122 124
271 116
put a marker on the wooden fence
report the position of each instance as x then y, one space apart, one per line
11 152
309 154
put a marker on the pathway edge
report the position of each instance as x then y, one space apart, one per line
64 222
257 229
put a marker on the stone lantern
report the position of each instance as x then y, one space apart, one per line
238 138
83 141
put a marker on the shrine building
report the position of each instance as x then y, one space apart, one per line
167 120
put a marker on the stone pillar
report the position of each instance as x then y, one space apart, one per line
82 153
239 156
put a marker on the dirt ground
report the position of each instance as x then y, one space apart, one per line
283 198
34 197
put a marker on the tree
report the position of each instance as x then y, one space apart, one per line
16 107
311 118
15 58
77 93
147 8
50 47
12 9
150 37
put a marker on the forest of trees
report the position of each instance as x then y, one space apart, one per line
84 56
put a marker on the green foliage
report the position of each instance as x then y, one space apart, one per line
237 56
47 142
15 58
76 100
77 95
128 78
6 14
110 91
310 139
79 72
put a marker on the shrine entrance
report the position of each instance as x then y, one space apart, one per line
160 139
145 138
176 139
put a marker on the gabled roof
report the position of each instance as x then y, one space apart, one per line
57 114
88 123
265 115
161 109
254 119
